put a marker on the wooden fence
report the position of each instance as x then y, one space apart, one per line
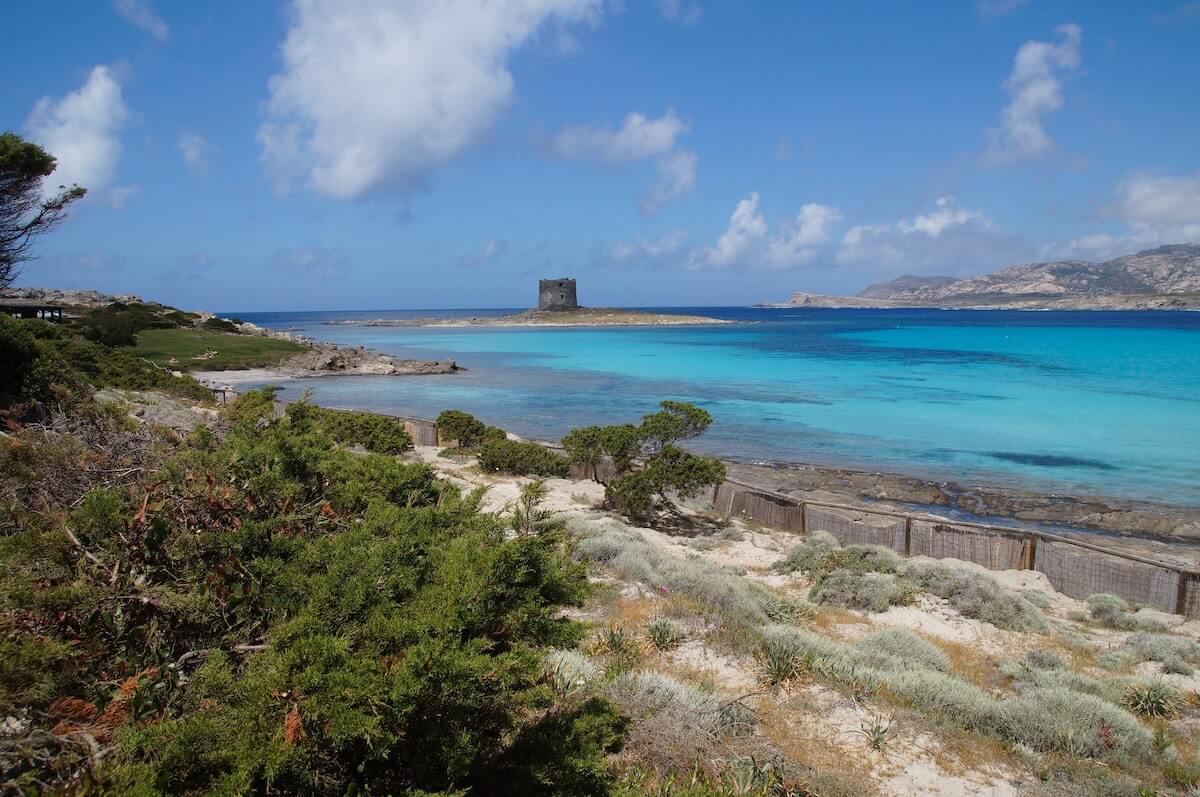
1073 567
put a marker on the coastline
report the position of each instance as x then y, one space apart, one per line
320 359
581 317
1134 525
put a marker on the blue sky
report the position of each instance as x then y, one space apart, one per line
323 154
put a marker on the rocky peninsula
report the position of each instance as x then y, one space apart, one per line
1166 278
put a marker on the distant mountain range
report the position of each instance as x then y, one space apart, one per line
1164 278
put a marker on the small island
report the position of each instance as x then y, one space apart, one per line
558 306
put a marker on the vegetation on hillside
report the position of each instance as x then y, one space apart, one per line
53 365
519 458
233 351
119 323
257 609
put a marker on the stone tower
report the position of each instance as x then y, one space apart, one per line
557 294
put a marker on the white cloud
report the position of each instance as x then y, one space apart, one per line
746 243
945 215
491 250
194 149
140 14
637 138
679 11
376 95
803 236
746 231
81 131
947 239
1167 206
1035 86
1155 210
676 176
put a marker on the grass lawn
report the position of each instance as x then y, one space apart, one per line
233 351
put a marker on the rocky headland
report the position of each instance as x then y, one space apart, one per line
1166 278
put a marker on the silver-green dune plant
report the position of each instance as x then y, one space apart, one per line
625 552
1112 611
1053 718
872 592
853 576
977 596
1176 654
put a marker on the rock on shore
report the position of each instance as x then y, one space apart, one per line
324 358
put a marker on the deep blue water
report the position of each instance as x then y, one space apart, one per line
1092 402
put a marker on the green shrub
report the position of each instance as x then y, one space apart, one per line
378 434
640 493
48 363
335 623
117 324
521 459
632 494
469 431
218 324
588 445
112 330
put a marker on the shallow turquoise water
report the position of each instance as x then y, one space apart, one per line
1105 403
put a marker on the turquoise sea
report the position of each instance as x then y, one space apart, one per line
1083 402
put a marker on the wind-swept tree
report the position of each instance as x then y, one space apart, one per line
25 210
648 466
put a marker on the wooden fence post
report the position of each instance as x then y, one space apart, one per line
907 536
1181 592
803 519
